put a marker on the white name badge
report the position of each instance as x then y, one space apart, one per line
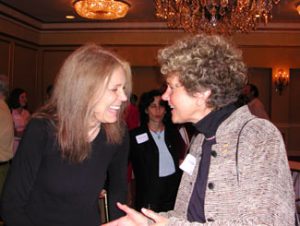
188 164
142 138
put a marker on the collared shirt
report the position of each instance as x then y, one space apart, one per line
166 163
6 133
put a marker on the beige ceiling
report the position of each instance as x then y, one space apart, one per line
141 11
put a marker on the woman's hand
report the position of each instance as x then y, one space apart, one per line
159 220
132 218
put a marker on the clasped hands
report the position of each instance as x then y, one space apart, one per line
134 218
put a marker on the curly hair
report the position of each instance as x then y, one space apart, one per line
206 62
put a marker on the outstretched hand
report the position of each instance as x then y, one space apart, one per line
159 220
134 218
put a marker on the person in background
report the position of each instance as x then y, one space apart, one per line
256 107
154 153
6 131
18 104
72 145
236 172
187 132
132 117
49 91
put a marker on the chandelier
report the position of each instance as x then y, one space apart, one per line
101 9
215 16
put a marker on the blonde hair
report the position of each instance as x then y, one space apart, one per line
84 72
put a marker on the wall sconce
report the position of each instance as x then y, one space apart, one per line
281 80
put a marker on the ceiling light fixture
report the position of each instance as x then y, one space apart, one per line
215 16
298 7
70 17
101 9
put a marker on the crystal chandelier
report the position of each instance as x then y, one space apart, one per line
215 16
101 9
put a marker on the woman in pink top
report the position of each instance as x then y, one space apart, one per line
18 105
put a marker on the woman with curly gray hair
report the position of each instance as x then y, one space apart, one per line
236 172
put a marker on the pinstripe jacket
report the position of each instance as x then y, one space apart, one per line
248 185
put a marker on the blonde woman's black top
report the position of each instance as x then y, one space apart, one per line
43 189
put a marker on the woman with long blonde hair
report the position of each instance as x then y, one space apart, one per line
74 144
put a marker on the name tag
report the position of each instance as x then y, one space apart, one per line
142 138
188 164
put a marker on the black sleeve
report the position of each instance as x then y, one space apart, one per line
136 156
22 175
117 179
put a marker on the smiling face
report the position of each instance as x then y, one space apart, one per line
108 105
185 107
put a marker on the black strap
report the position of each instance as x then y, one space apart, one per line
237 150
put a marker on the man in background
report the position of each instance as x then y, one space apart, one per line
132 115
256 107
6 131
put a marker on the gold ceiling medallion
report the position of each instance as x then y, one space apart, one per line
215 16
101 9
